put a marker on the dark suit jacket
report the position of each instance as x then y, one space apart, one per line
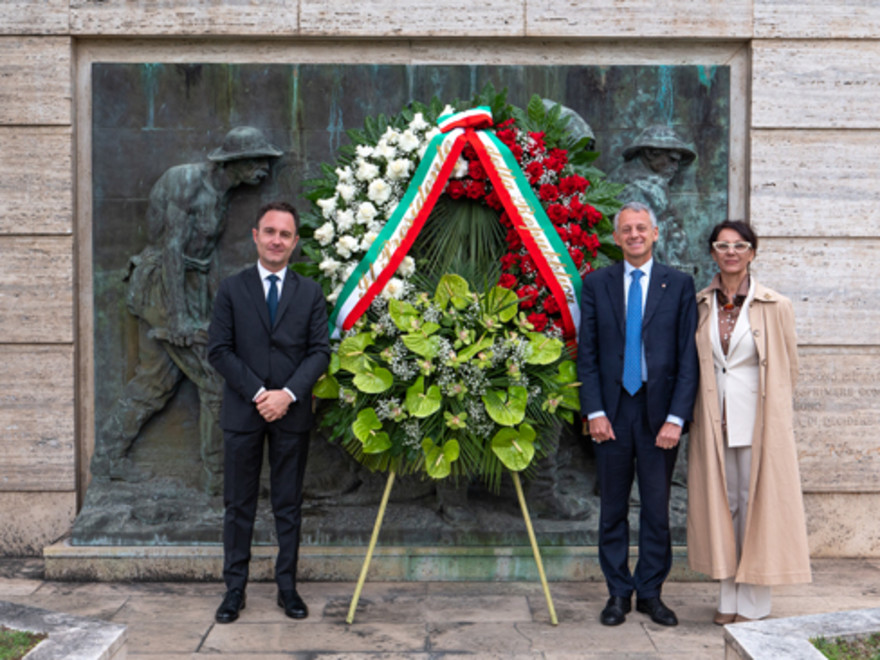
250 354
669 324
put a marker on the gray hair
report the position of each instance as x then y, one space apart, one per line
639 207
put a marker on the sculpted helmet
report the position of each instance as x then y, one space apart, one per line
244 142
660 136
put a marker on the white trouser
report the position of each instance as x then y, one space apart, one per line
748 600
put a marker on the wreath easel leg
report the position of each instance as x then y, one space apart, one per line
373 539
535 550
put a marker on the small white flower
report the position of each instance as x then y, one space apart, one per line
325 233
385 150
418 122
390 135
408 141
344 174
345 220
346 190
366 212
346 245
461 168
398 169
329 266
366 171
328 206
334 295
407 267
368 239
393 289
379 191
448 110
364 150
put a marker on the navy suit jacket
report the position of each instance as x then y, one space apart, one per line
250 354
669 325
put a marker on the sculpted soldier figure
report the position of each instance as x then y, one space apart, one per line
168 292
650 164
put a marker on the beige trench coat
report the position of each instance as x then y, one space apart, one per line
775 549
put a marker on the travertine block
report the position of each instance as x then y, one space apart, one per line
36 418
832 284
183 17
639 18
36 289
843 524
815 84
29 17
35 80
816 19
814 183
837 421
34 520
384 18
36 180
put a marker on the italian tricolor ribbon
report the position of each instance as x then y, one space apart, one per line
517 198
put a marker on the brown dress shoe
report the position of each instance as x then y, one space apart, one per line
722 619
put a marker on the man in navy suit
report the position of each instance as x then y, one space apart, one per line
269 340
638 384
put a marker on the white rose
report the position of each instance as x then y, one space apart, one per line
346 191
418 122
407 267
375 226
408 141
345 220
390 135
430 134
368 239
329 266
325 233
398 169
461 168
334 295
345 175
394 289
348 270
448 110
366 212
366 171
346 245
328 206
364 150
379 191
385 150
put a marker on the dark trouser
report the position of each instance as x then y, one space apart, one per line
241 485
634 453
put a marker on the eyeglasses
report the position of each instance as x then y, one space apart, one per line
739 247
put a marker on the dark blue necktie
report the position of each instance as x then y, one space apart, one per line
272 298
632 356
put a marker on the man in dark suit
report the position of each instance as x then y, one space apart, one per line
637 364
269 340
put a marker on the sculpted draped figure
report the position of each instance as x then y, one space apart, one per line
168 292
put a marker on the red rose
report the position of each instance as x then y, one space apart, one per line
517 152
548 192
468 152
591 243
455 189
563 233
558 214
539 282
475 189
551 306
493 201
576 209
475 170
527 296
576 234
507 280
506 123
507 136
509 261
527 264
504 219
534 171
538 138
577 256
537 320
514 243
559 156
575 183
593 216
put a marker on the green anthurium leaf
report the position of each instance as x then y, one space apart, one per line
452 288
352 353
404 314
566 373
368 429
515 447
439 460
334 363
420 344
544 349
502 303
468 353
420 403
506 408
327 387
429 328
375 381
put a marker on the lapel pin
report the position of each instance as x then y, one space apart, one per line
663 286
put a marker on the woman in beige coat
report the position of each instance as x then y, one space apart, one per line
745 521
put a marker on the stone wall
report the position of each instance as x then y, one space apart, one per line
804 171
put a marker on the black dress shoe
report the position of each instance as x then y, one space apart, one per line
233 603
615 611
658 612
293 605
